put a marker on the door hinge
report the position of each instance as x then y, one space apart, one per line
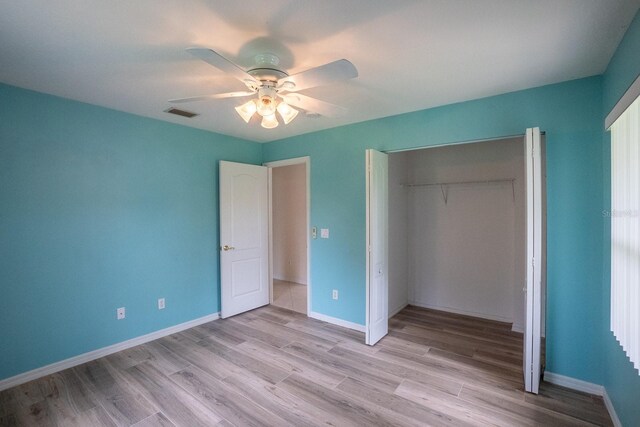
533 262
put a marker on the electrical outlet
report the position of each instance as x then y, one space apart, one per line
160 303
334 294
120 314
314 232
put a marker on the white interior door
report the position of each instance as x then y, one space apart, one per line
533 292
244 228
377 246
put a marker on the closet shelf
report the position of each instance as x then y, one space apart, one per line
488 181
444 185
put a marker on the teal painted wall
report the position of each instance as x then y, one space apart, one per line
101 209
570 113
621 380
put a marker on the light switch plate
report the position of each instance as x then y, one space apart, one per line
314 232
324 233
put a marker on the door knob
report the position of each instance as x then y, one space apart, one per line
227 248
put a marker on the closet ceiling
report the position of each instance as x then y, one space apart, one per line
411 55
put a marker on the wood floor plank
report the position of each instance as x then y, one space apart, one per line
223 400
8 420
199 356
292 335
590 409
457 347
22 396
66 396
519 408
400 344
94 417
353 411
344 332
315 329
260 368
445 318
209 329
177 405
272 366
153 353
473 413
508 372
278 401
358 347
455 372
346 367
398 404
465 336
375 364
316 372
36 414
156 420
282 312
274 317
124 404
237 327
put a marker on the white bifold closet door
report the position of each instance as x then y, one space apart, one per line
377 165
533 299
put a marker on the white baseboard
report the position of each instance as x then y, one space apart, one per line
573 383
101 352
464 312
585 387
612 411
517 328
397 310
336 321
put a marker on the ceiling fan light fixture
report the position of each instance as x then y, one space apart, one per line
266 101
247 110
287 112
269 121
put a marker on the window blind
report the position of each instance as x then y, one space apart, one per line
625 231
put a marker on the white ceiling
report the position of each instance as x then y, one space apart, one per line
411 55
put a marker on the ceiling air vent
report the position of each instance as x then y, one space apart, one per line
178 112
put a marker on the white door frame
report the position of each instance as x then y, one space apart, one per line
288 162
541 188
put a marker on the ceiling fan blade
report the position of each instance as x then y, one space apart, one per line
319 76
212 57
314 105
208 97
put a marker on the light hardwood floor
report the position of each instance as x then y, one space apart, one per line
276 367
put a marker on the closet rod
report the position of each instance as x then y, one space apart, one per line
489 181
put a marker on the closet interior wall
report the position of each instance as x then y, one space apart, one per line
459 248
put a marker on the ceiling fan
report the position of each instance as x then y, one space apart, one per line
275 89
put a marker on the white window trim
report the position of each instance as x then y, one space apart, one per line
621 106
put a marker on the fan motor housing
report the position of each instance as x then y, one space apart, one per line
267 74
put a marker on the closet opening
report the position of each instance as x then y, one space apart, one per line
457 244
